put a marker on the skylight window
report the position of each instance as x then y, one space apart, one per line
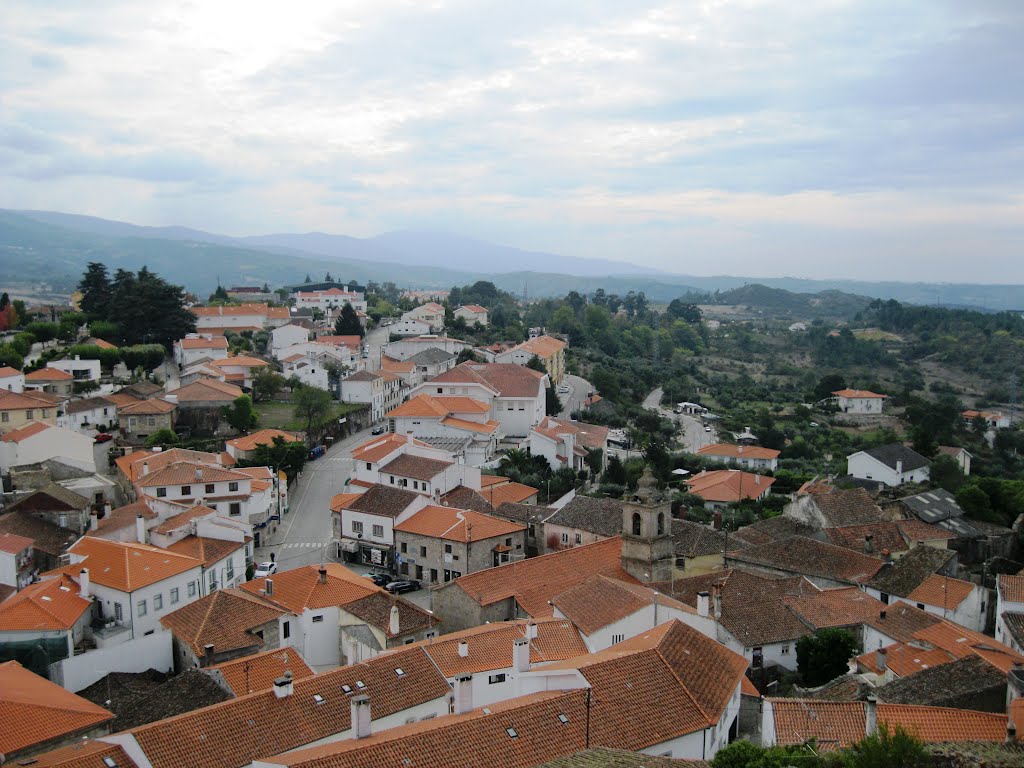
562 718
318 698
360 684
399 671
512 733
110 762
346 688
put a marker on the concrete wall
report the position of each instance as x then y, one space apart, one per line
150 652
458 611
463 559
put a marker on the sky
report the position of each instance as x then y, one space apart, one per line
872 139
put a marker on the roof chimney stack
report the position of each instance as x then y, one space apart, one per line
199 473
703 603
871 716
323 575
463 695
94 521
360 716
531 631
521 654
463 648
140 529
899 466
393 625
284 687
268 587
145 468
869 543
882 660
83 583
208 653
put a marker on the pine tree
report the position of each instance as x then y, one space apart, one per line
96 291
348 323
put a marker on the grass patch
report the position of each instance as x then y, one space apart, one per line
276 414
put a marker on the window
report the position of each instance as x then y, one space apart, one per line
565 538
46 413
661 523
29 414
636 523
423 551
921 606
191 589
151 421
618 638
233 486
235 508
533 531
884 597
118 613
5 416
378 531
409 641
369 465
230 570
161 492
318 619
158 602
508 542
357 526
416 485
186 490
140 608
440 390
579 538
403 548
493 679
784 650
392 479
174 595
286 630
209 488
447 549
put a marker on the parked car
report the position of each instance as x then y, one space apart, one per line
402 585
380 579
565 389
707 428
104 437
264 569
380 429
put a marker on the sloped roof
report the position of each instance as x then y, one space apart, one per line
586 513
207 390
909 572
729 485
52 497
300 588
85 754
240 361
7 372
590 436
601 600
430 356
1011 588
128 566
48 374
890 454
189 473
859 394
914 530
53 604
946 685
697 540
452 524
513 493
258 672
535 581
416 467
383 500
18 401
738 451
854 506
263 437
883 536
46 537
12 543
838 607
941 591
214 342
375 609
208 551
88 404
34 710
801 555
154 405
506 379
222 619
542 346
31 429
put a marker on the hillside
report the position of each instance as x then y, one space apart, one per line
781 303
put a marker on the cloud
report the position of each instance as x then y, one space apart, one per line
752 136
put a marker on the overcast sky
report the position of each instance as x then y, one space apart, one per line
821 138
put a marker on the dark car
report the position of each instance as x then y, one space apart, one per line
403 585
104 437
380 429
380 579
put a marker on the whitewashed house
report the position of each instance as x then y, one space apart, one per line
472 313
409 327
37 442
11 379
88 414
286 336
197 347
859 401
80 370
890 465
430 313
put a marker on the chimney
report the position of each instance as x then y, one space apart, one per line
757 479
869 543
718 604
463 648
1011 732
463 696
886 556
268 587
521 654
323 575
145 468
881 660
703 603
871 716
360 716
83 583
199 473
393 622
140 529
739 449
283 686
899 466
94 521
881 614
531 631
716 520
208 653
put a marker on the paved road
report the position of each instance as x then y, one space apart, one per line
693 436
375 339
579 390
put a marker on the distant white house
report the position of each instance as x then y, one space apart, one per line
37 442
196 347
994 419
859 401
891 465
286 336
11 379
472 313
80 370
382 391
430 313
410 327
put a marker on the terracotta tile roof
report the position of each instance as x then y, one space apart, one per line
31 429
131 466
185 473
207 390
884 536
902 621
753 607
13 544
910 571
490 645
398 366
586 513
543 346
88 404
535 581
230 309
384 500
152 406
421 405
34 710
377 448
738 451
841 607
942 591
85 754
221 736
514 493
505 379
904 660
121 400
375 609
341 341
960 641
129 566
545 725
484 428
772 529
19 401
300 588
849 507
915 530
6 372
181 519
263 437
452 524
207 550
48 374
600 601
474 308
340 501
224 620
215 342
416 467
590 436
488 480
240 361
46 537
815 487
840 724
53 604
859 394
1011 588
801 555
258 672
729 485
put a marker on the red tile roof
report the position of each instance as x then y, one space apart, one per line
34 710
377 448
154 406
600 601
49 374
729 485
505 379
462 525
13 544
31 429
128 566
208 551
215 342
189 473
258 672
300 588
738 451
223 619
942 591
53 604
6 372
85 754
20 401
1011 588
915 530
263 437
860 394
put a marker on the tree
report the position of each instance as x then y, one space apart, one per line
467 355
679 310
96 290
219 295
946 473
266 383
823 657
828 384
147 309
536 364
280 454
162 436
328 278
308 279
144 356
313 406
594 460
889 749
241 415
101 329
348 323
552 402
975 502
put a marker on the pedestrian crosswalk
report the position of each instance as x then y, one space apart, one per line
304 544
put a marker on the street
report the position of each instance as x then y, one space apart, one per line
579 388
375 339
693 436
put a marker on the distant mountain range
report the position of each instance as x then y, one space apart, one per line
52 247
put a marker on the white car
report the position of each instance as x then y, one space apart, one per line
264 569
565 389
